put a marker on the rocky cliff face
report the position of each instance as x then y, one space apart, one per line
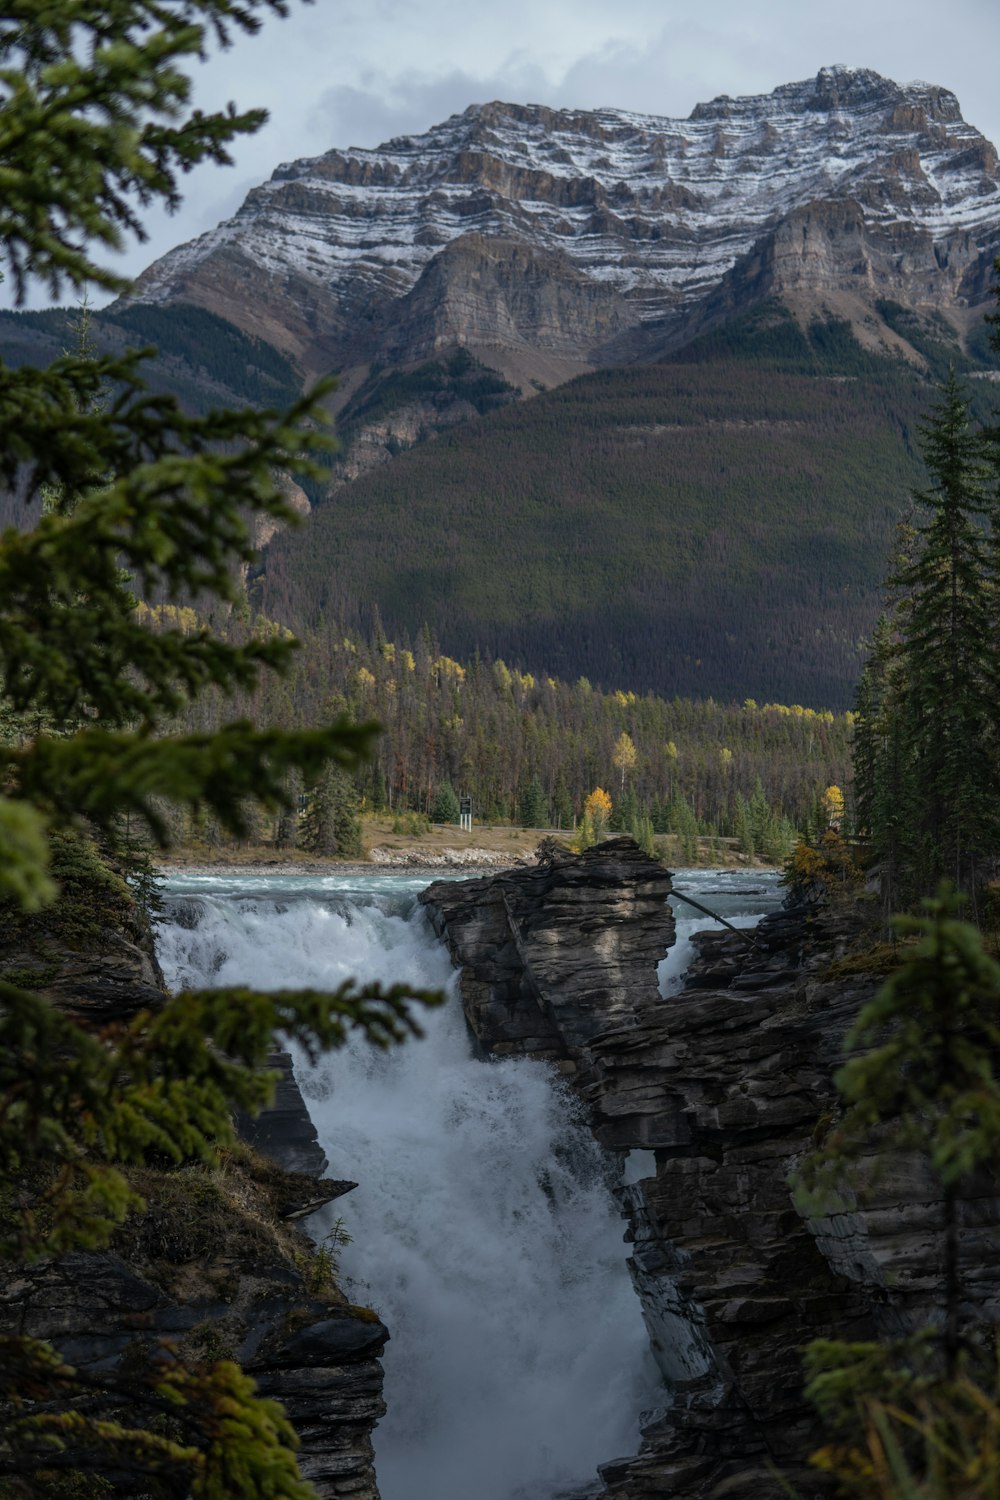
722 1090
553 954
216 1268
554 240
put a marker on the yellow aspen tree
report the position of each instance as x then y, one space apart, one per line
833 805
624 756
597 807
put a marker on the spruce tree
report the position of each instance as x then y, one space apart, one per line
926 765
445 808
534 810
562 802
886 794
949 655
330 824
144 499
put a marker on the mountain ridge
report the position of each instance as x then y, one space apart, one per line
549 242
742 312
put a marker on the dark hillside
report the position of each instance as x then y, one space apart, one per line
203 361
715 525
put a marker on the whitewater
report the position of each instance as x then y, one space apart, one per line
484 1230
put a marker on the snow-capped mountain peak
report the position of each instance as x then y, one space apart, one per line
638 220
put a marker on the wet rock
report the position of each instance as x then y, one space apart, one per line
283 1130
554 954
726 1084
216 1268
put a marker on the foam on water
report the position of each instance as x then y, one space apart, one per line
483 1229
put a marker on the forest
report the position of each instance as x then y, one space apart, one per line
513 741
713 525
114 710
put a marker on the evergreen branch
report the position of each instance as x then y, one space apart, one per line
98 774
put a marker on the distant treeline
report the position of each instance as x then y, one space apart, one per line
502 737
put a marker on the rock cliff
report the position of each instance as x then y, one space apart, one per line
216 1267
720 1091
551 241
553 954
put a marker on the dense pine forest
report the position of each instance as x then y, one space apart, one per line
531 749
716 524
713 525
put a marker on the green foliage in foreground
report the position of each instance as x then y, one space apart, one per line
914 1419
94 125
900 1430
201 359
79 1105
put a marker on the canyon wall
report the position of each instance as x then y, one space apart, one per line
216 1268
724 1087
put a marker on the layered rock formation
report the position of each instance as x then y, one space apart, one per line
216 1267
553 954
554 240
722 1089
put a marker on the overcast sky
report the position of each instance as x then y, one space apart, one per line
355 72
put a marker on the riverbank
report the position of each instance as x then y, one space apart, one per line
192 863
440 847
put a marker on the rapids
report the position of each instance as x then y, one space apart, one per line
483 1230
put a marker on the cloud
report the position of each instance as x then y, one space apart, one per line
660 58
382 105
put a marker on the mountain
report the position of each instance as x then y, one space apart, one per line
717 524
729 327
548 242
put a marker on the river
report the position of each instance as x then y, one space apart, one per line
483 1230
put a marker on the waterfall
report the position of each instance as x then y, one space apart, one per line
483 1230
742 897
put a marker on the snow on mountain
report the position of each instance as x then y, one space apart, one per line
654 211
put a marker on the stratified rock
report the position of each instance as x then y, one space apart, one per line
320 1361
283 1131
728 1088
554 954
216 1267
550 241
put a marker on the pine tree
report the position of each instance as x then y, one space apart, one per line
624 813
96 125
286 822
445 808
562 802
927 773
949 654
585 835
886 792
330 824
534 809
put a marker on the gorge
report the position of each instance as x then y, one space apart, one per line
705 1097
612 1061
483 1229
